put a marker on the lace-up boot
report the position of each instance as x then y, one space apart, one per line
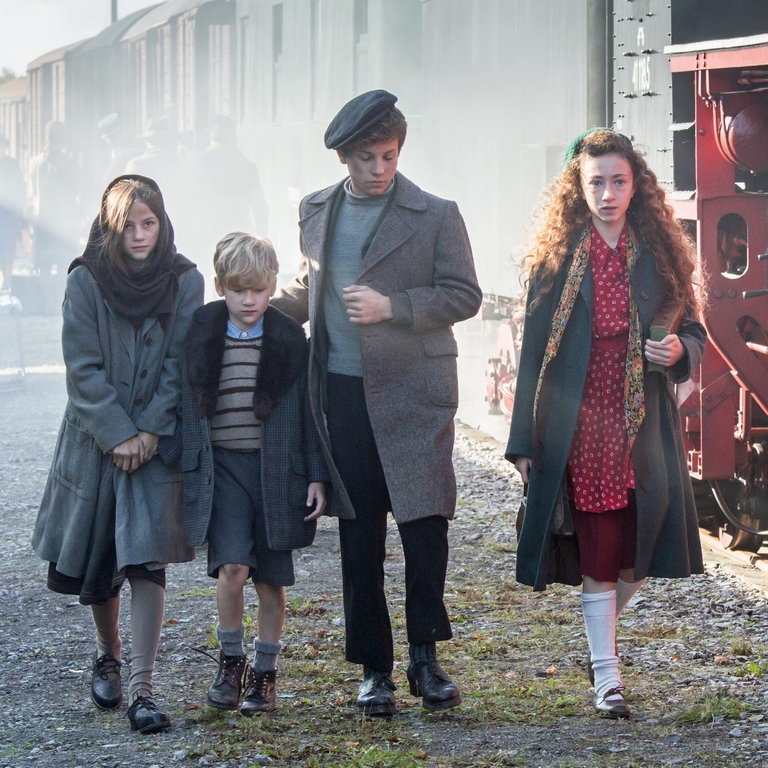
260 693
228 683
376 697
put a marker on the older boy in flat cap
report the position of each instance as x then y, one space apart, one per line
386 271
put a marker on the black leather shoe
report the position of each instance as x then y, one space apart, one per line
226 688
428 680
260 695
106 688
145 717
376 697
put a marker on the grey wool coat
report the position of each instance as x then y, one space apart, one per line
119 382
667 528
291 456
421 258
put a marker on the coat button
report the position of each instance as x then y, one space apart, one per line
644 295
138 401
143 374
148 341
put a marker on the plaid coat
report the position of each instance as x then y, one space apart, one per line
291 457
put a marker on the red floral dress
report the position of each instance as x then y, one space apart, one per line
599 462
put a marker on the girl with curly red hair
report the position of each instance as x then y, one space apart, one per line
595 431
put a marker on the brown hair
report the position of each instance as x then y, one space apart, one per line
565 214
116 207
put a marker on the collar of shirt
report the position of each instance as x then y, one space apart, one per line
252 333
601 252
369 198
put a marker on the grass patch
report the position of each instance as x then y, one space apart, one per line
198 592
711 709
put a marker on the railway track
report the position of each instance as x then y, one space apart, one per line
749 567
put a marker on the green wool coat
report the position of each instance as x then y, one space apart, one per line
667 527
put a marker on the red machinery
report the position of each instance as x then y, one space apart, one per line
719 103
501 371
720 97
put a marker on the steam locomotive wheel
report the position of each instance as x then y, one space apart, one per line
743 508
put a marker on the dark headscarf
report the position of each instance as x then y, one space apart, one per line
149 290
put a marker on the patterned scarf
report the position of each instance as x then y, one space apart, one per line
634 402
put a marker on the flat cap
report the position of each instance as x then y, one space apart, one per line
357 116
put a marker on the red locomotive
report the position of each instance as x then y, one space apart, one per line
708 96
726 420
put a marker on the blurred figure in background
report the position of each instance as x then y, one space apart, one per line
231 188
165 161
118 148
55 188
12 205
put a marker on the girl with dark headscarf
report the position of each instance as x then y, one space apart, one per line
112 508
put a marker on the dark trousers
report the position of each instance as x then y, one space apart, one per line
363 541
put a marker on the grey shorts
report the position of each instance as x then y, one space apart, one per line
237 531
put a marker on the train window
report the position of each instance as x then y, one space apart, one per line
732 244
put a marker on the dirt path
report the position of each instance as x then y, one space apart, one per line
518 656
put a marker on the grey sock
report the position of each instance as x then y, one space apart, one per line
231 640
266 655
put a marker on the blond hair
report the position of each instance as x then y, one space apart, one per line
244 260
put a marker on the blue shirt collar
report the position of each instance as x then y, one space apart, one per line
254 333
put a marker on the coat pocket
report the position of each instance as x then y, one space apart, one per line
77 461
440 370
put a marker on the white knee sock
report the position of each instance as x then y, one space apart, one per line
600 621
625 591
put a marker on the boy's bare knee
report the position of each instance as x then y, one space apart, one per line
234 573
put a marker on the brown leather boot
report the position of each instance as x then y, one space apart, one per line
260 693
228 683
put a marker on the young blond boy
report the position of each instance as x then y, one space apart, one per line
254 472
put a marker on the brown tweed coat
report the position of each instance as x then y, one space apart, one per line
420 257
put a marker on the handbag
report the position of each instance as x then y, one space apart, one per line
562 515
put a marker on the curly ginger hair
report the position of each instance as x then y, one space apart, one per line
565 214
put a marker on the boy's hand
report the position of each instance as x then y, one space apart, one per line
316 498
365 306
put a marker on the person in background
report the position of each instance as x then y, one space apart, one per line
166 161
117 148
112 509
248 428
56 187
12 211
387 269
595 430
230 187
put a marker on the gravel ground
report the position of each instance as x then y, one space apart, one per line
46 639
